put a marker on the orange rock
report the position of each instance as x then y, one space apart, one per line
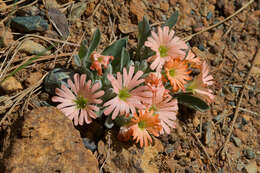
164 6
138 8
10 85
34 78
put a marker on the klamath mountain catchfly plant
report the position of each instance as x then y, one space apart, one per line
139 93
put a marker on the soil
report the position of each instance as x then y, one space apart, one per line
229 48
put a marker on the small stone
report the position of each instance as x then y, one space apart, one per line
29 23
164 6
237 141
30 11
32 48
78 10
249 153
33 78
189 170
10 84
138 8
89 144
240 166
209 15
6 36
251 167
169 149
208 135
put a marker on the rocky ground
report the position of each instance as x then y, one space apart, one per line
52 144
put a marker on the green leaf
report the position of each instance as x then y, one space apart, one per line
172 20
125 57
115 50
192 102
77 60
143 66
144 31
93 45
83 49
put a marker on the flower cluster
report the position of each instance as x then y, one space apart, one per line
147 99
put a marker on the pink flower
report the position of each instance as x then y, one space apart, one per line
129 94
191 58
199 85
166 46
143 124
98 60
166 108
79 104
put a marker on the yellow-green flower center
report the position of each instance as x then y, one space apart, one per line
81 102
142 124
172 72
100 59
124 94
163 51
154 109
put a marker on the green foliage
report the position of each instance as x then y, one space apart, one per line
125 58
115 50
144 30
172 20
192 102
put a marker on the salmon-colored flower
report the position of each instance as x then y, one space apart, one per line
199 85
166 107
129 94
166 46
192 59
177 73
154 81
79 104
143 124
98 60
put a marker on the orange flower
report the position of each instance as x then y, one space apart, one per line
98 60
143 124
177 73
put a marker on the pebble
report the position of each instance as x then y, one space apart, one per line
201 47
209 15
89 144
6 36
10 84
249 153
240 166
33 48
78 10
208 136
169 148
189 170
251 167
29 23
236 141
33 78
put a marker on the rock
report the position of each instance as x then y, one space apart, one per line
128 156
51 4
32 48
240 166
137 10
10 84
78 10
33 78
164 6
249 153
89 144
29 11
59 21
29 23
189 170
6 36
48 142
127 28
251 167
208 135
236 141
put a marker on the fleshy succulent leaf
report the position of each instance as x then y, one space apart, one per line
172 20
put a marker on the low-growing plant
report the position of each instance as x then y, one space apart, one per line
139 93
